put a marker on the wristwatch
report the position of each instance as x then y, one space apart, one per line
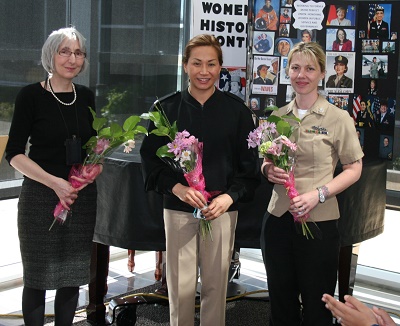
321 195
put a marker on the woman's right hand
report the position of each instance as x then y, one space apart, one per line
189 195
276 175
65 192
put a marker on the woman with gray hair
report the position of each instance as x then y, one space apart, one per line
54 116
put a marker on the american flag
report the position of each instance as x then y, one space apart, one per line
356 106
371 12
376 105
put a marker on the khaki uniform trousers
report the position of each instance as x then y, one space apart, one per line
186 252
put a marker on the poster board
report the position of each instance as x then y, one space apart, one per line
227 21
359 37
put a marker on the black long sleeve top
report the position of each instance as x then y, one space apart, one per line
39 118
222 124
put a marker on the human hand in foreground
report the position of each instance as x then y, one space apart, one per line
383 317
85 175
190 196
304 203
65 192
355 313
218 206
276 175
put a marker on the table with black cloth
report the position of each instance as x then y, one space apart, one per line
128 217
362 210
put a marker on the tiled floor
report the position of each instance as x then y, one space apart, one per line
381 252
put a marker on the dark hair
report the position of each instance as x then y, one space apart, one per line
260 67
345 64
337 37
202 40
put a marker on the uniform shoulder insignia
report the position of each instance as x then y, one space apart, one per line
237 98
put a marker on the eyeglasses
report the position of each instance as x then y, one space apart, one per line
67 53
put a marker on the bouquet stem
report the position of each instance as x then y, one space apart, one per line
87 172
292 192
206 228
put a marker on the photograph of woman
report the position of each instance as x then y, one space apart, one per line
339 80
298 267
373 87
263 42
283 46
342 43
340 19
266 18
340 40
50 114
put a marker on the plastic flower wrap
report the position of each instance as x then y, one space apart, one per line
184 153
272 139
98 147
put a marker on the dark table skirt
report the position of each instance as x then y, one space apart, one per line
128 217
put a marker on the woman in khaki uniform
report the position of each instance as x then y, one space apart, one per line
301 270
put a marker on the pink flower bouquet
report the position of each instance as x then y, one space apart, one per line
272 138
98 147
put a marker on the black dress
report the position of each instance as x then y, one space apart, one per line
59 257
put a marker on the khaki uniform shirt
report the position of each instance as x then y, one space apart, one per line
326 134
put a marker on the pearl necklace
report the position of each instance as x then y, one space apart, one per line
63 103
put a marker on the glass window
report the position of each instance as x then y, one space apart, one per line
133 49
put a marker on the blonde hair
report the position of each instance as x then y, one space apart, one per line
312 50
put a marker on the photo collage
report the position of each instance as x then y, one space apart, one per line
360 40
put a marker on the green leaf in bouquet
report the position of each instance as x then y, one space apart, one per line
274 118
155 117
127 135
283 128
105 132
115 130
98 123
140 129
131 122
161 131
173 130
163 152
271 108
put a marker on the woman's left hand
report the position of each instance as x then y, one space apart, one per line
218 206
304 203
88 174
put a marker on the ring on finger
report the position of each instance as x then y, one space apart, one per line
339 320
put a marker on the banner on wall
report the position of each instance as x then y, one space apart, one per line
226 20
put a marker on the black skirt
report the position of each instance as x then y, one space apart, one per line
59 257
